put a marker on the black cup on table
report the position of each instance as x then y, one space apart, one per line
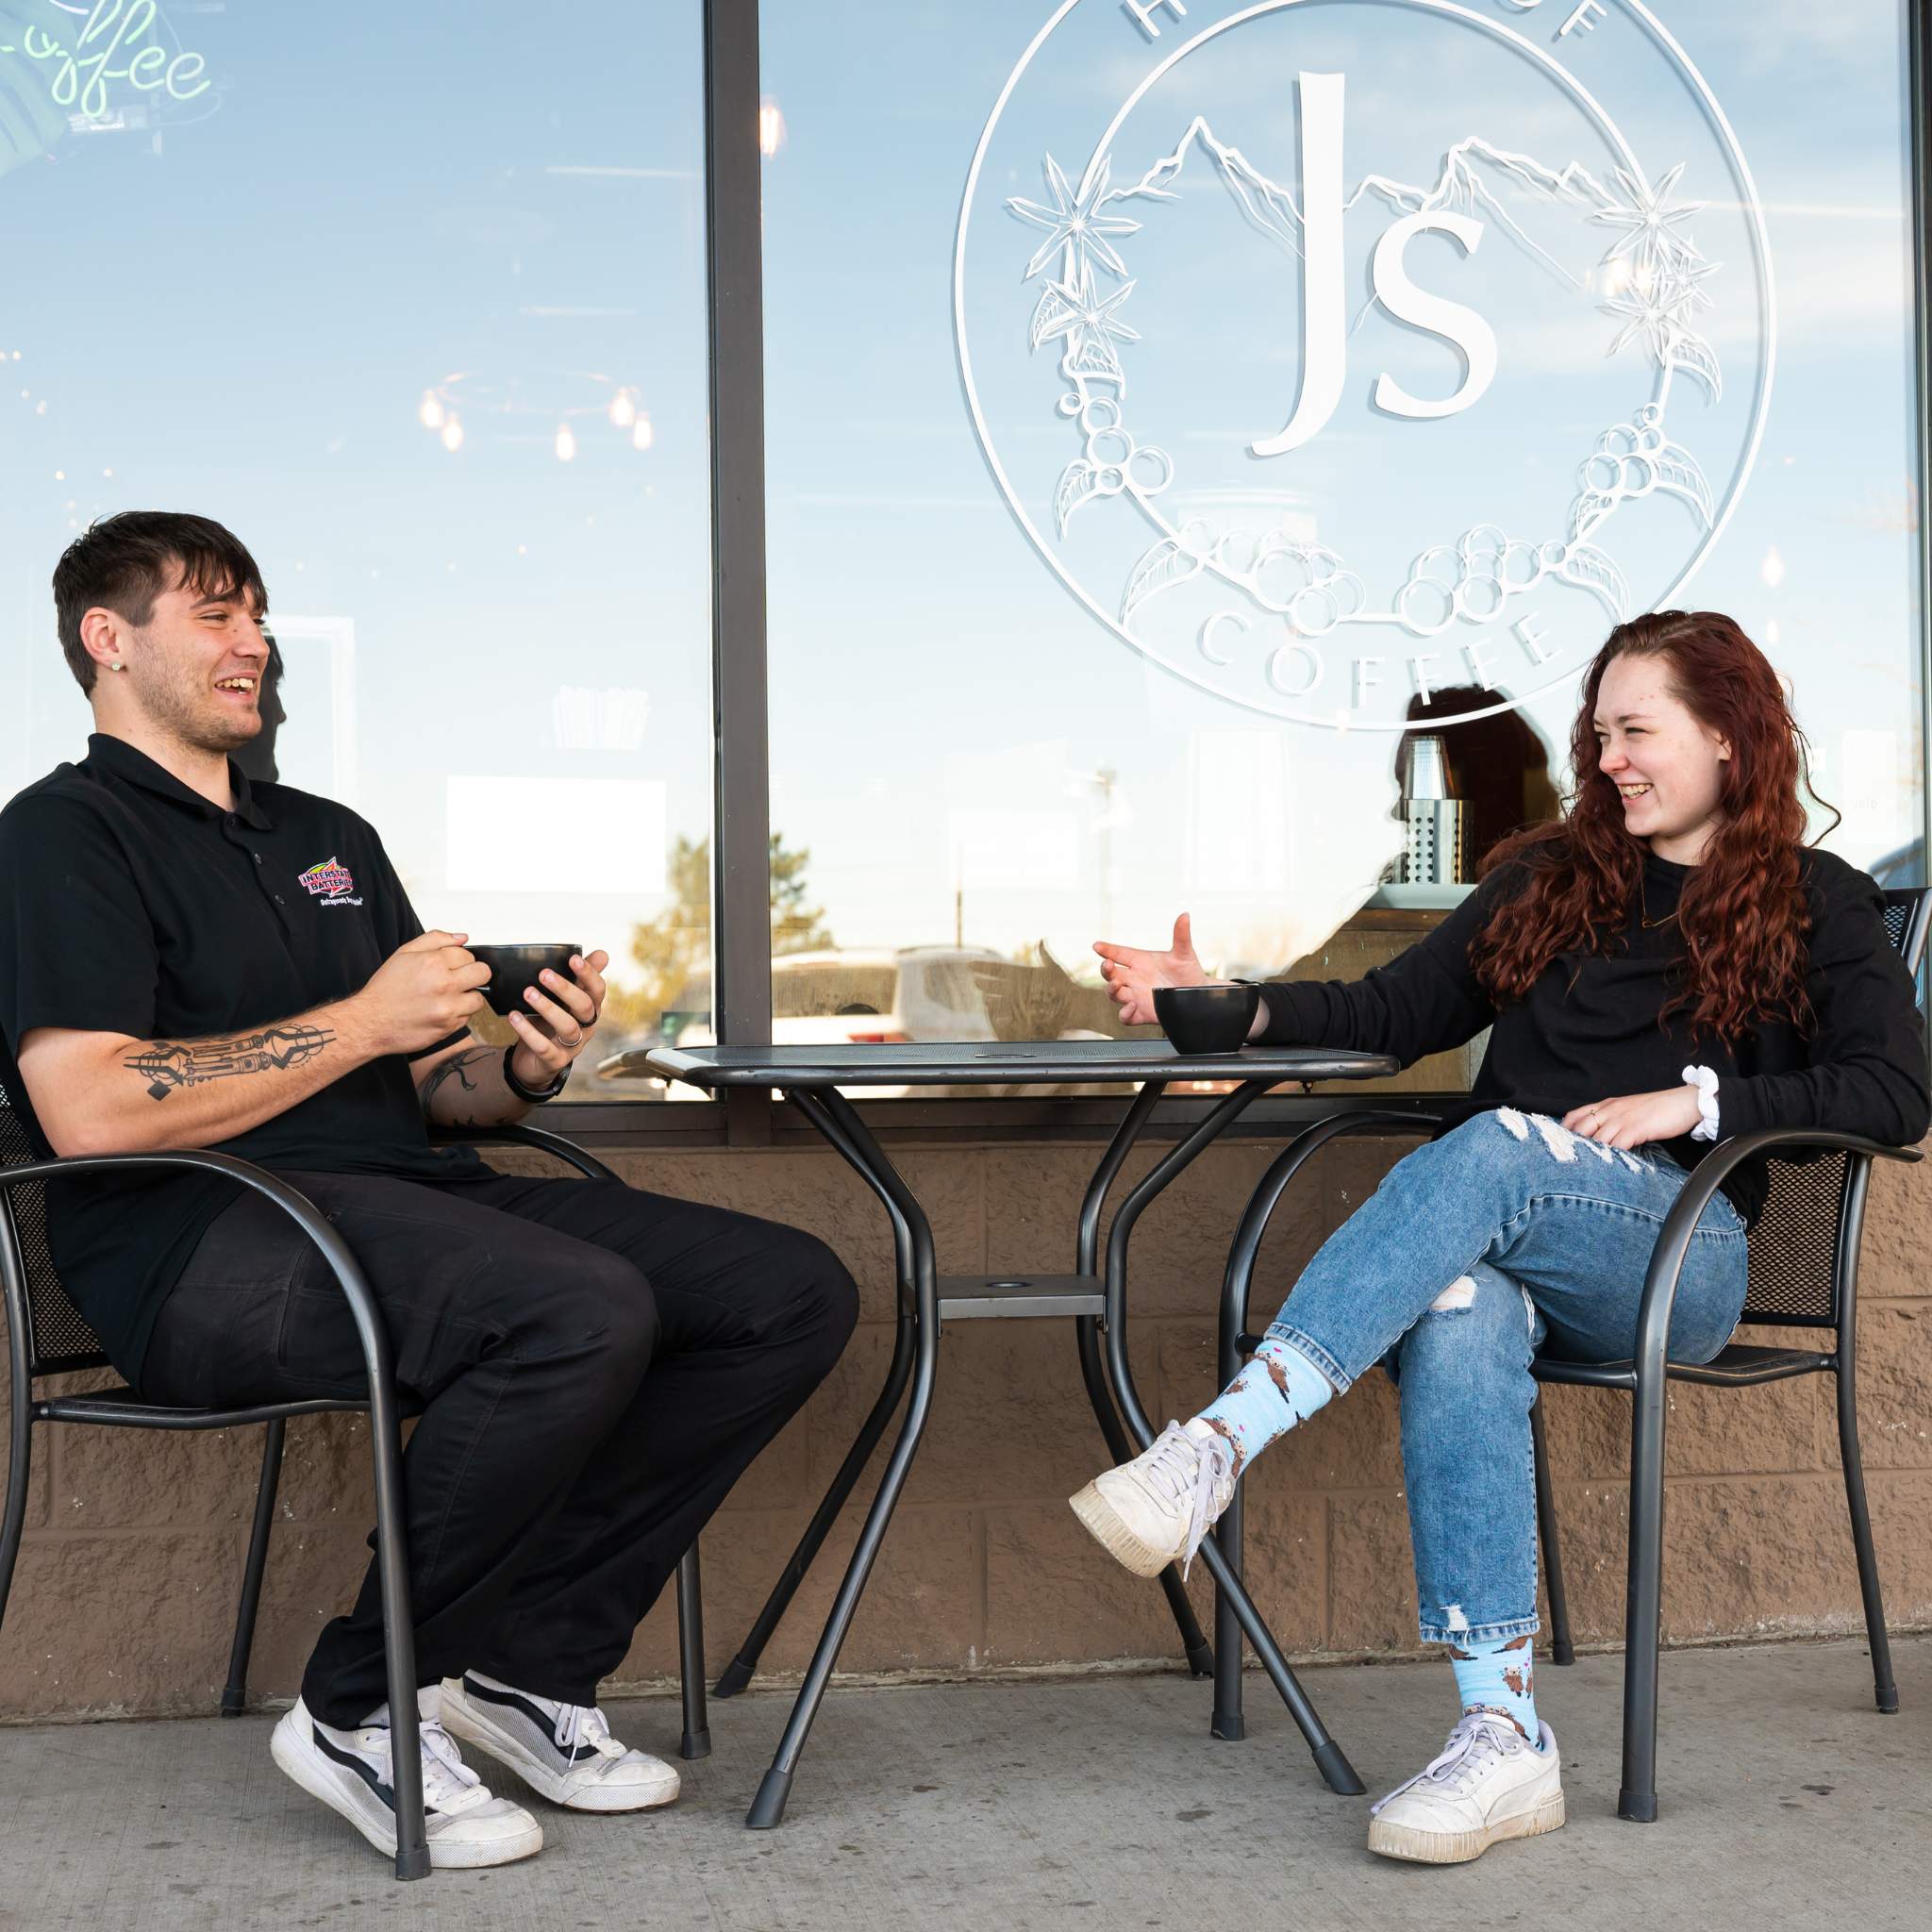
513 967
1206 1019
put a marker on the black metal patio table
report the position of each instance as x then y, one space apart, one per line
1095 1297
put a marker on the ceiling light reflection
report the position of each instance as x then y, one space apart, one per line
771 127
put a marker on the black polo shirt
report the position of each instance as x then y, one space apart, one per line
130 904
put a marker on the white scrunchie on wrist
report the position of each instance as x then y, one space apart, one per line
1706 1083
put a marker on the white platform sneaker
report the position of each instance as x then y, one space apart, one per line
565 1750
350 1772
1489 1784
1155 1510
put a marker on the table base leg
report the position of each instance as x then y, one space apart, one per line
1200 1654
1338 1773
835 1118
768 1808
1334 1767
1194 1644
737 1673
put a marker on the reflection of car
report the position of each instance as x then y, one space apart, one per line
588 1080
1904 867
862 998
865 997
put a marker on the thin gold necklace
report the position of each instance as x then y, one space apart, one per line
1644 920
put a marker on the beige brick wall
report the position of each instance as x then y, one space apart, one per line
127 1581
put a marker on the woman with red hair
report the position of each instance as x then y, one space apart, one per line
1666 963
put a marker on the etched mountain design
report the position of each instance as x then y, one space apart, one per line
1460 188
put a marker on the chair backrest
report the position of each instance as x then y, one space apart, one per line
1795 1279
57 1335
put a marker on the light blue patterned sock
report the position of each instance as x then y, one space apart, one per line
1499 1677
1279 1388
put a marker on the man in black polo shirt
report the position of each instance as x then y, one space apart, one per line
190 960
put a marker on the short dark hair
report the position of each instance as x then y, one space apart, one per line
126 561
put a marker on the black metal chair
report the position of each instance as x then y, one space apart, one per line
1803 1270
47 1336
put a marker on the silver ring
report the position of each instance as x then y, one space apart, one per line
571 1045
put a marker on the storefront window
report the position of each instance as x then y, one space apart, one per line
414 299
1202 439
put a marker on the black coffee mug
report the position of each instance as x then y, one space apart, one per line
513 967
1206 1019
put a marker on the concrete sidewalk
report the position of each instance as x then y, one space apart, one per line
1093 1802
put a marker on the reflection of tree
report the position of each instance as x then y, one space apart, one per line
796 927
675 948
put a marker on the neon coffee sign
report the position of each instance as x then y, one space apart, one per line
108 49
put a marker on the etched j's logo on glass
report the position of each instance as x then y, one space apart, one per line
1325 305
1345 353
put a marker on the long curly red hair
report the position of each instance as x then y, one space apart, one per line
1742 911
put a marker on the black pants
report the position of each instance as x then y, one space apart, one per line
597 1367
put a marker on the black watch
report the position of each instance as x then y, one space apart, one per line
534 1095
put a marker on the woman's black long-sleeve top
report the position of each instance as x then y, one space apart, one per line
1588 1028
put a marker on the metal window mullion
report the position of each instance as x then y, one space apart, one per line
1918 84
740 846
741 808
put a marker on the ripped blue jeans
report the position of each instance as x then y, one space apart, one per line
1505 1237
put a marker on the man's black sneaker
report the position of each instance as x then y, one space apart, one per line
349 1771
565 1750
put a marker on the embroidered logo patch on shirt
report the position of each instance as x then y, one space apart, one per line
331 882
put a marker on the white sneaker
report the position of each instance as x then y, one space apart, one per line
350 1772
1489 1784
564 1750
1155 1510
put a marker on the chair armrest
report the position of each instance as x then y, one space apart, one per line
1680 1223
516 1134
343 1264
1728 1154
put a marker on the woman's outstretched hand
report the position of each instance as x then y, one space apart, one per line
1636 1118
1132 974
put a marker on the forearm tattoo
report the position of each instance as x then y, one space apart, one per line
166 1064
458 1067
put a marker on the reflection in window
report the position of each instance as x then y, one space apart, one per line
980 763
417 309
1493 772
